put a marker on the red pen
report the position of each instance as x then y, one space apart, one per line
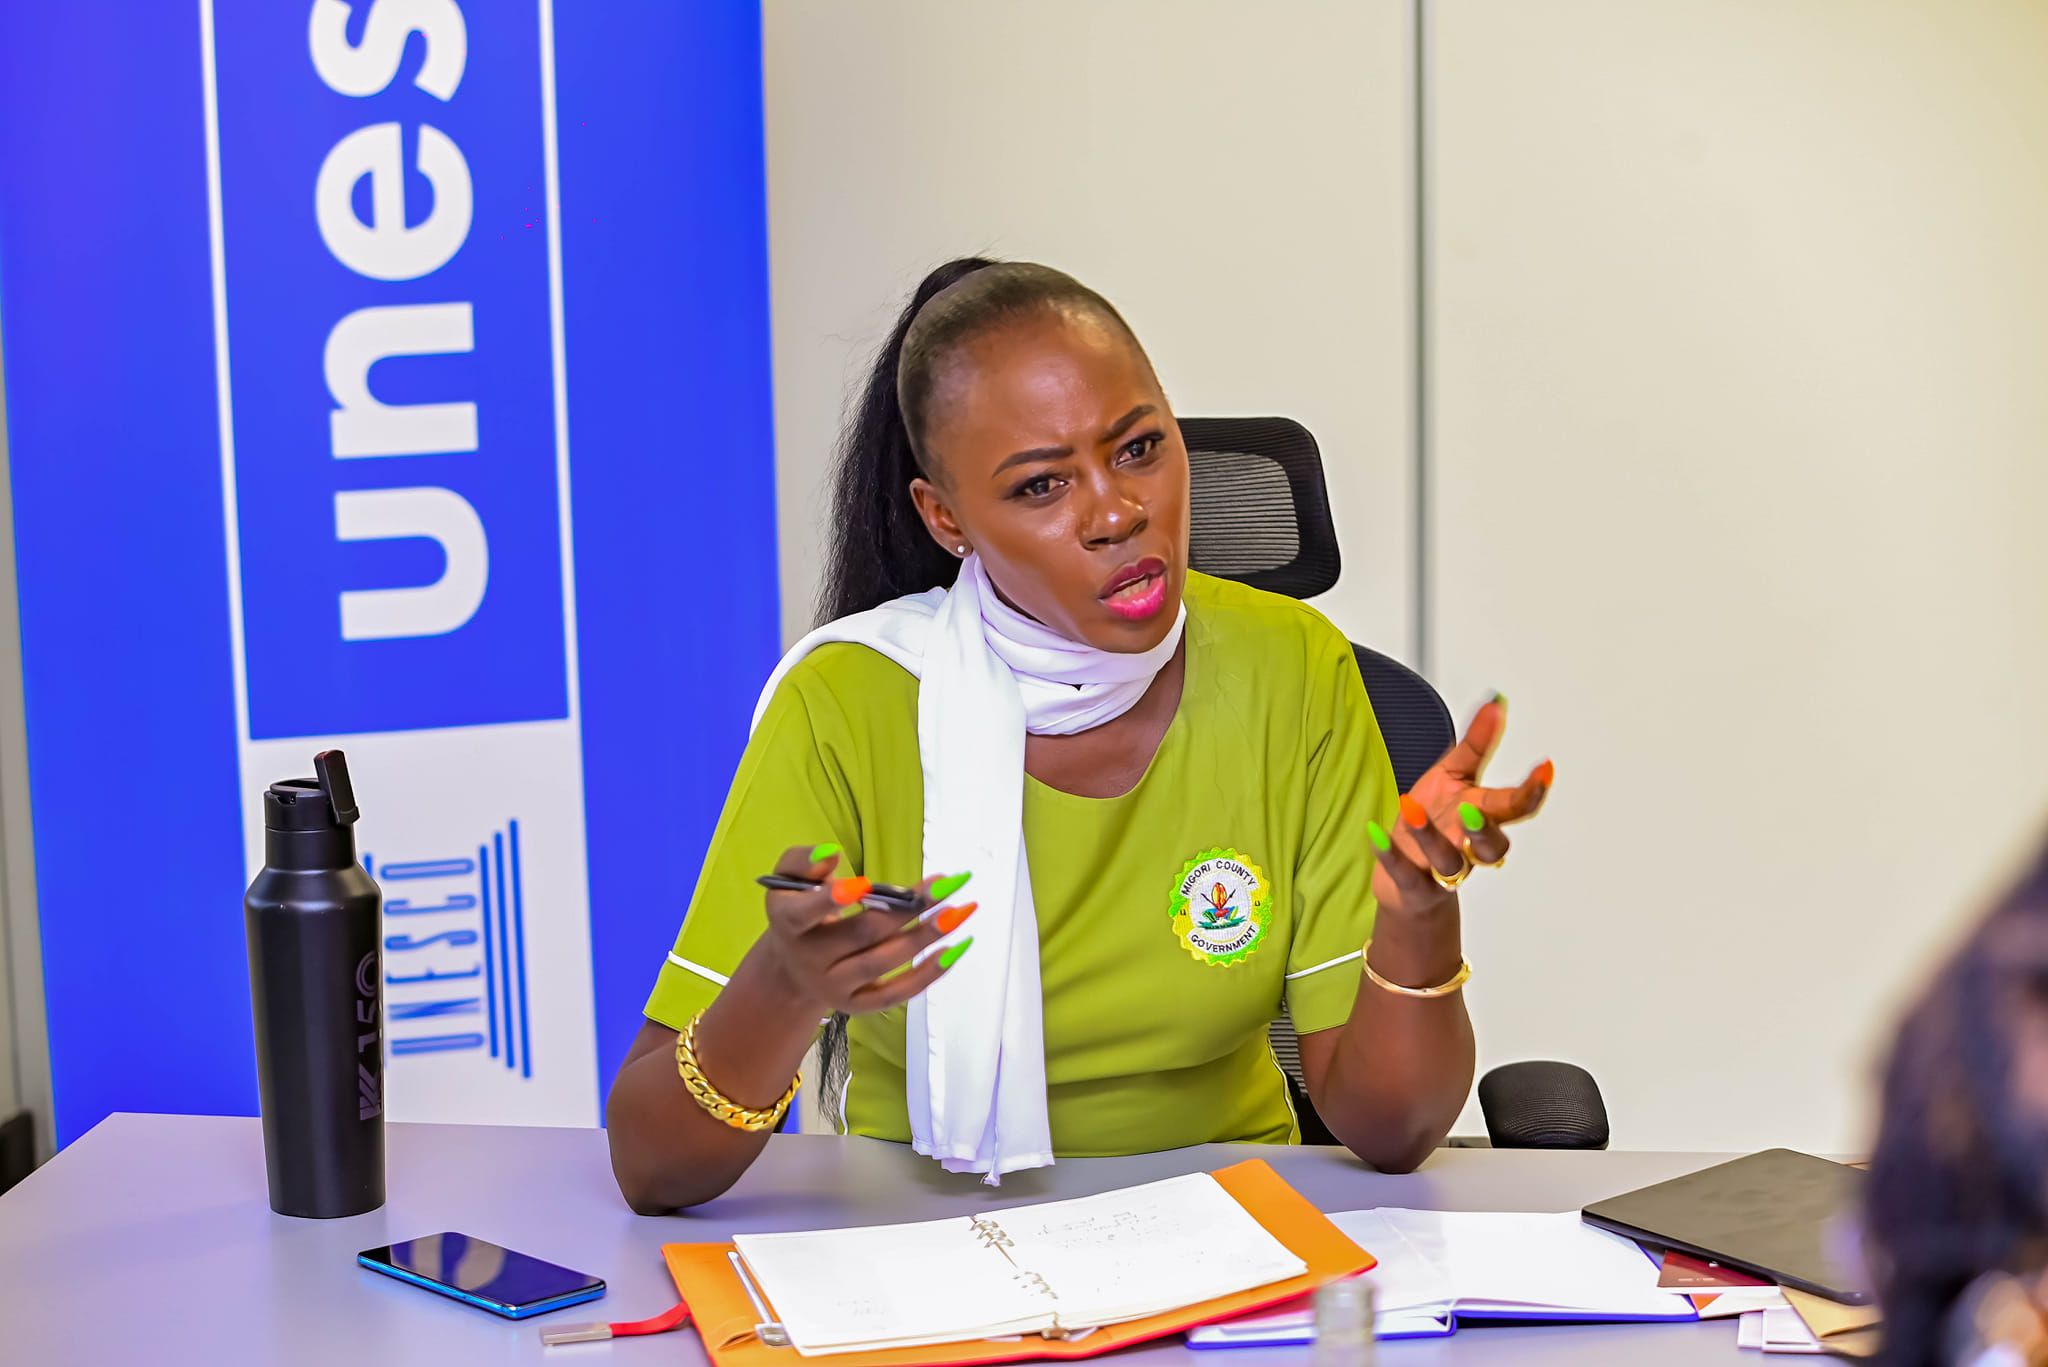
592 1333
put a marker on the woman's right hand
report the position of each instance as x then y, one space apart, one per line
835 954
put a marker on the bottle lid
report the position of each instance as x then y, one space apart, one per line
332 766
313 804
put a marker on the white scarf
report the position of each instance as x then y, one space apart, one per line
988 674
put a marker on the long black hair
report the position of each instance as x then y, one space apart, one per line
1959 1177
880 548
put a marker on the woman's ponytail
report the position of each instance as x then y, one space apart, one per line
880 548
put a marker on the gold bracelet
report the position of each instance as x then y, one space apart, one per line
718 1103
1442 989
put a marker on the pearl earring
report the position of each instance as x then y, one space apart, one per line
961 549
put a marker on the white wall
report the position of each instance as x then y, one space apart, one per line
1230 175
1743 459
1739 450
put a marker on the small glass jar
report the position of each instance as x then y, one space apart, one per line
1344 1324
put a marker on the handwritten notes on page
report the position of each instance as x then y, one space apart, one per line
1145 1249
1054 1268
890 1286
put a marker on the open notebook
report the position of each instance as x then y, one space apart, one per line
1437 1265
1054 1269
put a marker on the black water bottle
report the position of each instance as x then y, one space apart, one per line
315 979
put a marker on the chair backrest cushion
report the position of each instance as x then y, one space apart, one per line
1543 1104
1261 512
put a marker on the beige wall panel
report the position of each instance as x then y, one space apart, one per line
1233 176
1743 464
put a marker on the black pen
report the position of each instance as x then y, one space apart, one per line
881 896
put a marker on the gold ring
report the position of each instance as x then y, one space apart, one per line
1449 882
1475 860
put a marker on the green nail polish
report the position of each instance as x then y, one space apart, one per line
828 850
951 954
1378 836
949 885
1469 814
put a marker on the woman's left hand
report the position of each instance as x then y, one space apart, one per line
1449 822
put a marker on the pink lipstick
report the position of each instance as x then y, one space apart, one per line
1137 590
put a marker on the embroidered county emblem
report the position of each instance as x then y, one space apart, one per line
1221 907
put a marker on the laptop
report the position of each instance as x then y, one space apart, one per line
1777 1214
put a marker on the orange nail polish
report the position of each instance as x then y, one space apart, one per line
949 920
1412 813
1545 772
847 891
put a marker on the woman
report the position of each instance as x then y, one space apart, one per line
1168 790
1958 1202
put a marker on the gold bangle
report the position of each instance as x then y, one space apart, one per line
1442 989
718 1103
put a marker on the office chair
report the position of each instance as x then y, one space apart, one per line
1261 516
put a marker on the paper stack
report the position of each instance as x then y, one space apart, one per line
1436 1267
1809 1324
1771 1319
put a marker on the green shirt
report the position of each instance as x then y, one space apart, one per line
1156 1003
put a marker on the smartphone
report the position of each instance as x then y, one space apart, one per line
482 1274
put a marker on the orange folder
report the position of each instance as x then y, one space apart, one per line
720 1309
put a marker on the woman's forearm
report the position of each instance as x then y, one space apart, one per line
826 949
1392 1079
668 1151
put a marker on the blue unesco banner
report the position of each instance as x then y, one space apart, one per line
371 368
392 363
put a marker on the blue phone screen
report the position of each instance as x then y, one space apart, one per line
483 1269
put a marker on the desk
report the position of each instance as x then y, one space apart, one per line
150 1241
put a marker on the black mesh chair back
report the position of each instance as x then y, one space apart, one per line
1261 511
1543 1104
1261 516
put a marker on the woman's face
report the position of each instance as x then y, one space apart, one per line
1057 459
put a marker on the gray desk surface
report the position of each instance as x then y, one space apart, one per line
150 1240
